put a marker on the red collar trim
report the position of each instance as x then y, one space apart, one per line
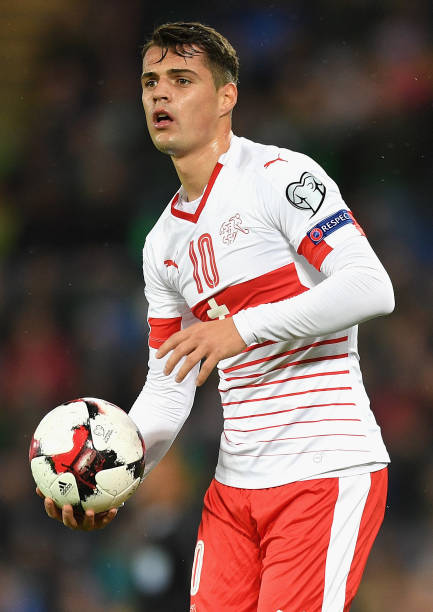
193 217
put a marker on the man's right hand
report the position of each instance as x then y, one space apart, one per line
65 515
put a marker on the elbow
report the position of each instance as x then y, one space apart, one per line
388 304
387 298
391 302
379 295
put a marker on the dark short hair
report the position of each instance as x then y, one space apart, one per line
191 38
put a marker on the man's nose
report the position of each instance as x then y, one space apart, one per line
161 91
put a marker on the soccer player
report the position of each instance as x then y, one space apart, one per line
258 266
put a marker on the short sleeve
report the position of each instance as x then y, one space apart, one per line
308 208
168 311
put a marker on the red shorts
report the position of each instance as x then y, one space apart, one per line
300 547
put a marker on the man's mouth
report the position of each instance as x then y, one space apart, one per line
161 119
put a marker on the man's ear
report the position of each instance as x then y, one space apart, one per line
228 95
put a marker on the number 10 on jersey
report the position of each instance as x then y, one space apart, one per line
209 268
209 271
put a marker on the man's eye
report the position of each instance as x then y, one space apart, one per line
183 81
149 83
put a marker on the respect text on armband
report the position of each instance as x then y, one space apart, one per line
330 224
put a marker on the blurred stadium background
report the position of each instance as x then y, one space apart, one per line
349 83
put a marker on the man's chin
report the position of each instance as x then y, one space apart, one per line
166 149
169 148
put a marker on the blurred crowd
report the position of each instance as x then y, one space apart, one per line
350 84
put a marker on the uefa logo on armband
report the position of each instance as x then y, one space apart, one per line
316 234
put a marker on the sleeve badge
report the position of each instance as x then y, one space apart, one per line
306 194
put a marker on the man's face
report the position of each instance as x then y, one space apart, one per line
181 103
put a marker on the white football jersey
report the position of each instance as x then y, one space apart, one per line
259 234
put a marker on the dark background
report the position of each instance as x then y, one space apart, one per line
349 83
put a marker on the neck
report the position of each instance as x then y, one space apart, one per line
195 168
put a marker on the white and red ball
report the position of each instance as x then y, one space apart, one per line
87 453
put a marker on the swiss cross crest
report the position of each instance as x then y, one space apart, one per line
230 229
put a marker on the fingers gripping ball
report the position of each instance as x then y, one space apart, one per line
87 453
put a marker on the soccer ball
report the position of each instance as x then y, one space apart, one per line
87 453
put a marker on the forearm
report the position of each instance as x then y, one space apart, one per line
356 289
161 409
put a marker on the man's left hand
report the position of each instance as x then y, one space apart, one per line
211 341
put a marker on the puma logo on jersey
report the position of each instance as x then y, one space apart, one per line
171 262
306 194
230 229
273 161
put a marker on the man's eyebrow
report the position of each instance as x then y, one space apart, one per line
172 71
